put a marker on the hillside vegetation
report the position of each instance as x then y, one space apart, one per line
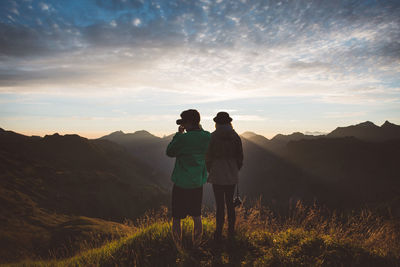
55 190
308 237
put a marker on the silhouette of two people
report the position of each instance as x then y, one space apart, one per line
201 156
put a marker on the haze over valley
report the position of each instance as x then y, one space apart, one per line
54 185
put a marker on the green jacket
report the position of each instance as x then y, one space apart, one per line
189 149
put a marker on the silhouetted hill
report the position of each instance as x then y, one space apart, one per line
121 137
147 148
46 182
368 131
311 172
250 135
292 137
344 173
256 138
53 188
357 172
277 180
277 143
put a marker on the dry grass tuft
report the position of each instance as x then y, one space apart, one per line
308 235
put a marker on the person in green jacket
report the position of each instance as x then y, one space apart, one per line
189 174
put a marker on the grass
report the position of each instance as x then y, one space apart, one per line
309 236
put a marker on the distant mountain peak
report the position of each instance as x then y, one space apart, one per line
288 136
369 131
388 124
54 135
121 137
70 137
366 124
248 134
117 133
143 132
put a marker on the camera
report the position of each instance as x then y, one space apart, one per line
179 121
237 201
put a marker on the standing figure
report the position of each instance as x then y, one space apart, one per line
189 174
224 159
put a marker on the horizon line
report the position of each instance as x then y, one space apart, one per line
97 135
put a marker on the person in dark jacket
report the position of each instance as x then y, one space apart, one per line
189 173
224 159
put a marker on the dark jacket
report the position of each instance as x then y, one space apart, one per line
224 157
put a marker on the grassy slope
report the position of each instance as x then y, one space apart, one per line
305 238
59 191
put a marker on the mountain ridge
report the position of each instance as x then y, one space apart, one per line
286 156
368 131
62 181
56 189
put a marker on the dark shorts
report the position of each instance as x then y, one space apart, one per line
186 201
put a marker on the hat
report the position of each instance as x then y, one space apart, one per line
222 118
190 115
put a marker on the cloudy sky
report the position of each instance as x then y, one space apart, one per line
96 66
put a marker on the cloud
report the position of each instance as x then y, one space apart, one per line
115 5
15 11
136 22
201 50
336 115
44 6
310 66
113 23
248 118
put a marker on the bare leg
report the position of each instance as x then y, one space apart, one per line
197 231
176 231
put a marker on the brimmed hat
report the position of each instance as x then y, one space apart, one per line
222 118
190 115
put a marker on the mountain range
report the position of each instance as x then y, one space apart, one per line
287 168
366 131
349 168
148 148
56 189
53 189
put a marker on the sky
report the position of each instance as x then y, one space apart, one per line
92 67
